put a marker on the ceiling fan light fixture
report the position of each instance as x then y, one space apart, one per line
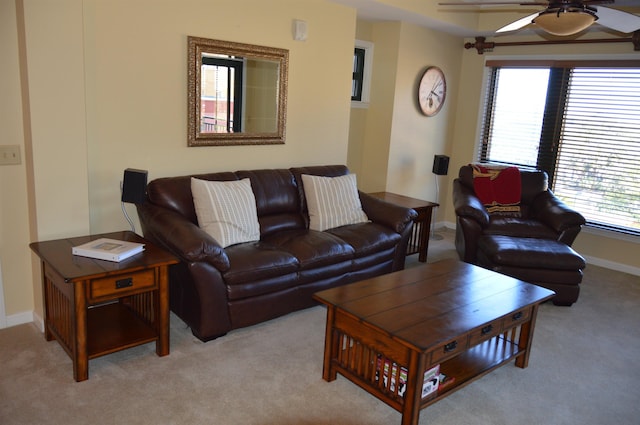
565 21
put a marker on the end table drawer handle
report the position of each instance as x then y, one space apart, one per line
124 283
517 316
450 346
487 329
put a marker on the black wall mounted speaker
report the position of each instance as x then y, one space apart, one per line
134 186
440 165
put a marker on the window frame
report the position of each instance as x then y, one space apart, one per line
552 122
367 46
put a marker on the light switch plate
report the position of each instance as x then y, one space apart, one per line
10 155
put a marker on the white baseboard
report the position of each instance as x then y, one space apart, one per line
624 268
19 318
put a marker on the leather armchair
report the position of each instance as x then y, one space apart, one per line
542 215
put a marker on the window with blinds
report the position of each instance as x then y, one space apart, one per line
578 122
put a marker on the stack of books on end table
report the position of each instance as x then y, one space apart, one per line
108 249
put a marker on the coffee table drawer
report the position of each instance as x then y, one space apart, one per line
485 332
516 318
116 286
449 349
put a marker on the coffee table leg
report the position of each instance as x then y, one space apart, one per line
413 396
526 338
328 373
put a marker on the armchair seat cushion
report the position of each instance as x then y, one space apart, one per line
530 253
519 227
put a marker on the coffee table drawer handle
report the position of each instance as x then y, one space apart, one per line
450 346
517 316
487 329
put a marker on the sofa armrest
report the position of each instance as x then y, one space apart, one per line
467 204
554 213
390 215
181 237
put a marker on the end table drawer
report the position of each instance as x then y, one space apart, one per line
121 285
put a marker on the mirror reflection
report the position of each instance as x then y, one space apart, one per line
237 93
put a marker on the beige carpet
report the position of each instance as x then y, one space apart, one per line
584 369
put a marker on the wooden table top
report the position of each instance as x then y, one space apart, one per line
427 305
404 201
57 254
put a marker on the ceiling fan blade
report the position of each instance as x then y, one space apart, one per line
618 20
495 3
520 23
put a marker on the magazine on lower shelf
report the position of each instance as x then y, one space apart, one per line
430 382
108 249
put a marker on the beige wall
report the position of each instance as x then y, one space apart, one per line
106 85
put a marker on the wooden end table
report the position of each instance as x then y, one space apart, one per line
385 333
97 307
419 240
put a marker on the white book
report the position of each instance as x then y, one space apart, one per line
108 249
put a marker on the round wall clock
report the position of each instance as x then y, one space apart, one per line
432 91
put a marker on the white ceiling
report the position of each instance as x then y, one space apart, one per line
374 10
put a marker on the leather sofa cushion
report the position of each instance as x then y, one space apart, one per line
529 253
311 248
253 261
366 238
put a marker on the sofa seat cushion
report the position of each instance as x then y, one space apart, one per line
255 261
519 227
311 248
367 238
530 253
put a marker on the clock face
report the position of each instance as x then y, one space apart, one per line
432 91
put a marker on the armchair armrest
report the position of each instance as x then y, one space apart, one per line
180 236
467 204
390 215
555 213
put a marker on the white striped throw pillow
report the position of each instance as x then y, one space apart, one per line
332 201
226 210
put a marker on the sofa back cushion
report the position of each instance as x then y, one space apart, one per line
277 199
279 194
174 193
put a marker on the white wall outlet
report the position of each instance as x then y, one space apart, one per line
10 155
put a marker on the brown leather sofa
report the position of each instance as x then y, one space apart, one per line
533 245
215 289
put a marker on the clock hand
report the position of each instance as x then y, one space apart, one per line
435 94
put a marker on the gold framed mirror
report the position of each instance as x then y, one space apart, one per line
237 93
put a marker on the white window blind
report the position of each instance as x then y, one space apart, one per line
580 123
598 166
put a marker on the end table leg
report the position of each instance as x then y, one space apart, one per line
80 354
162 344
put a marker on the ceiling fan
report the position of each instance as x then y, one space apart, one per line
566 17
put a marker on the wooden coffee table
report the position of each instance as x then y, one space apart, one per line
460 318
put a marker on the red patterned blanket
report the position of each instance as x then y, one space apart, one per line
498 188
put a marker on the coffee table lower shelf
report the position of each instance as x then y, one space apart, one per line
463 368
